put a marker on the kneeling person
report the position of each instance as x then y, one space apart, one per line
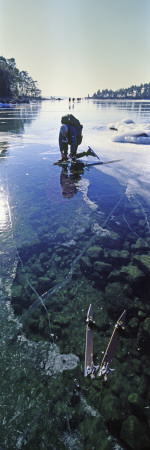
68 136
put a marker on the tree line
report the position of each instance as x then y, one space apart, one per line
16 85
133 92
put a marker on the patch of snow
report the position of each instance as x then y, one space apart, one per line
129 132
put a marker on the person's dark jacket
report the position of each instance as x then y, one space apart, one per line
70 139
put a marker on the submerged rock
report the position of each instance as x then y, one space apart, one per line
111 411
132 273
116 299
100 266
43 257
141 314
114 276
133 323
143 337
112 240
134 433
117 255
140 245
62 231
146 326
85 264
16 291
143 262
95 252
61 320
37 269
44 282
136 404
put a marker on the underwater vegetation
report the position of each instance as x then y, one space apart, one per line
108 266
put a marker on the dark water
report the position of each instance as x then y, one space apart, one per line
70 238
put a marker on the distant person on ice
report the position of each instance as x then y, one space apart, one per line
71 135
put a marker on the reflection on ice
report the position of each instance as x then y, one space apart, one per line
8 255
130 132
3 211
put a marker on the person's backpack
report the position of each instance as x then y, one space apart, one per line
69 119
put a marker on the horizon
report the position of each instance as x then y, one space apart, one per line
77 48
109 89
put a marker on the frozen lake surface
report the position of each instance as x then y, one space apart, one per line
70 238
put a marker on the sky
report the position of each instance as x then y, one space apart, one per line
75 47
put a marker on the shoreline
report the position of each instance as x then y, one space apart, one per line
119 99
4 103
